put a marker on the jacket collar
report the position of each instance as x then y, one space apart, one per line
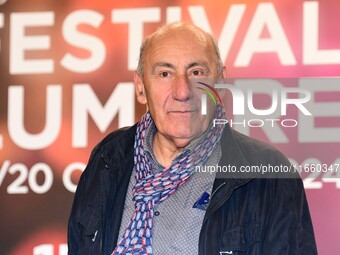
116 151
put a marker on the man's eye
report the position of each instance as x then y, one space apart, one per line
197 73
164 74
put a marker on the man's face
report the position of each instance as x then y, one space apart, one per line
174 103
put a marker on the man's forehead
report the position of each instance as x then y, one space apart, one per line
179 45
180 34
183 60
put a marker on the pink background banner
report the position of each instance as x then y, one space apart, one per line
66 71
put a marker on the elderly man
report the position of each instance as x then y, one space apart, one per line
140 194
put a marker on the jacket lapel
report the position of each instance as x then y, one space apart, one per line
117 156
225 183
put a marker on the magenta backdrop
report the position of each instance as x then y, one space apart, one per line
66 80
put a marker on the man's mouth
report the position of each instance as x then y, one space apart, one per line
182 111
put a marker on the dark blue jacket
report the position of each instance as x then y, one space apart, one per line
246 215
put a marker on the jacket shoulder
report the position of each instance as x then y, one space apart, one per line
116 135
115 143
256 151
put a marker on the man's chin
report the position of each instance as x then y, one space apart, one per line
182 142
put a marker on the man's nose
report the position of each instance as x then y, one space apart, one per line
182 88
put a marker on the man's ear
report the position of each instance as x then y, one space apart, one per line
222 92
224 72
139 88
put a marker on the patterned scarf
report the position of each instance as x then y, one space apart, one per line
153 188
